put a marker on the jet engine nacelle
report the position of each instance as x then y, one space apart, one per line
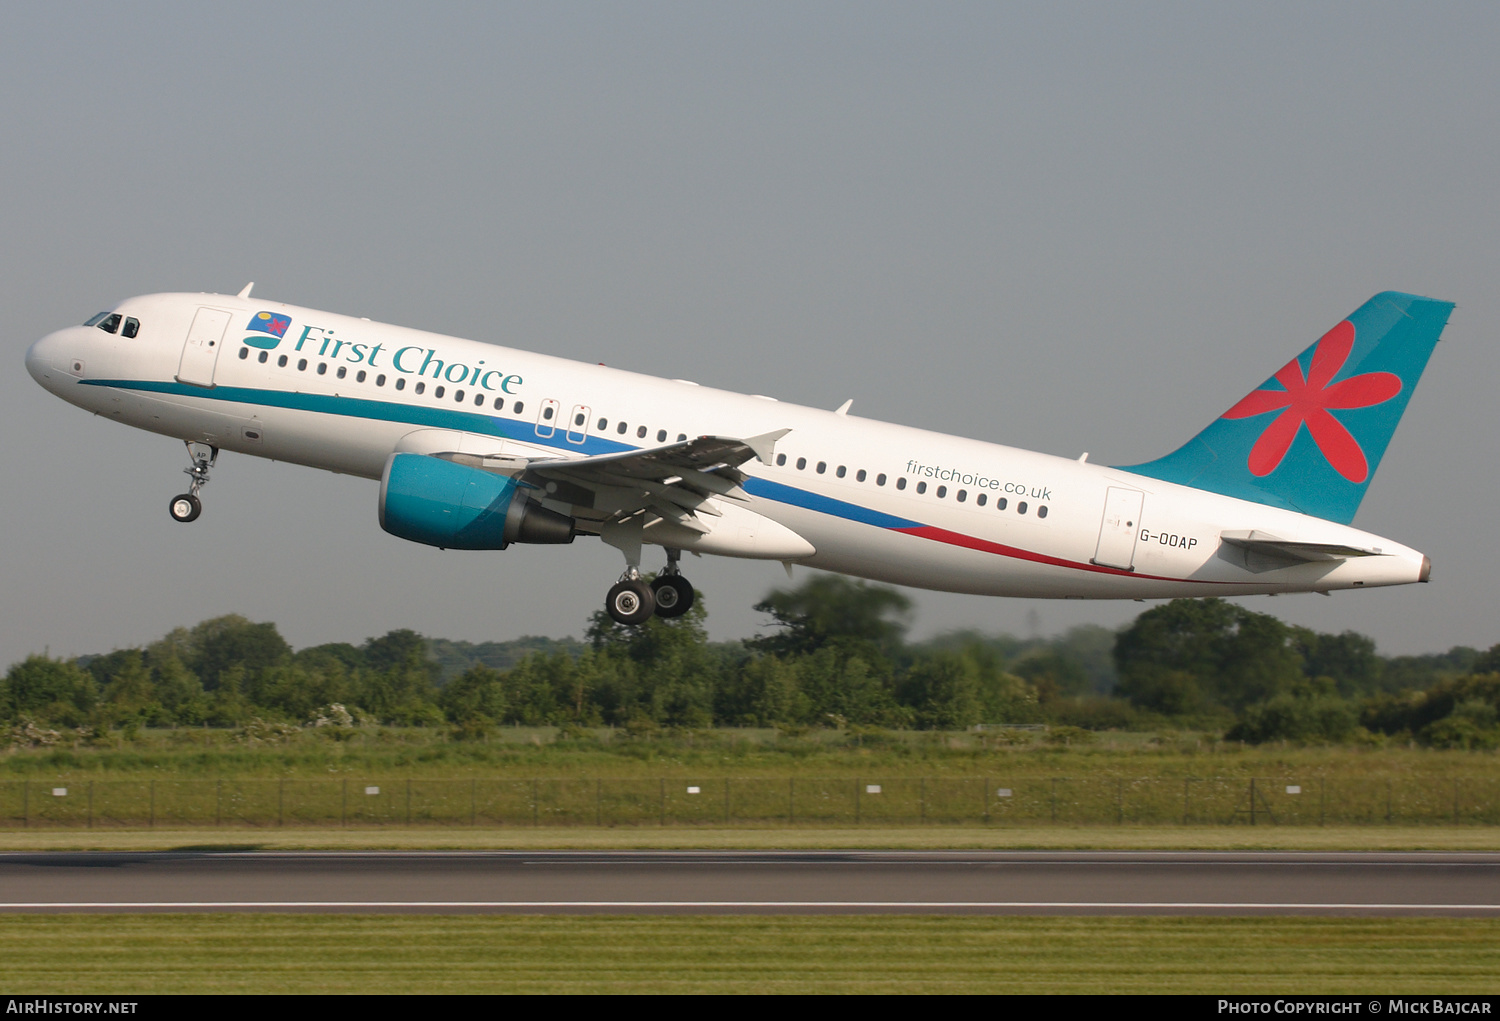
452 506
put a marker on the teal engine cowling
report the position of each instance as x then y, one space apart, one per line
452 506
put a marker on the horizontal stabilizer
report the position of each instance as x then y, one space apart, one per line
1308 552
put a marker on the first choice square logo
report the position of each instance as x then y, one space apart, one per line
270 323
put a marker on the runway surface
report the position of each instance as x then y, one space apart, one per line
740 882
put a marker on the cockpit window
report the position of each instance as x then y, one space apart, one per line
110 323
132 327
97 319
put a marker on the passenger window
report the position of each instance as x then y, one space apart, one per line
458 396
621 428
780 460
801 463
921 487
244 353
901 482
942 491
661 436
301 364
520 407
420 387
859 476
479 400
963 494
1041 511
1021 507
822 467
880 479
640 433
132 327
546 413
400 382
359 377
343 371
578 419
681 437
380 381
110 324
263 356
437 391
842 470
1000 503
322 368
980 499
281 361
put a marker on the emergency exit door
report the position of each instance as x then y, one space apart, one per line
1117 532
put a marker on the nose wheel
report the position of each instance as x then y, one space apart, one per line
187 506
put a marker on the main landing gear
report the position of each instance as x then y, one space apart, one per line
632 601
187 506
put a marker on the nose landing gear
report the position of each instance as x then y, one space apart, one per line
187 506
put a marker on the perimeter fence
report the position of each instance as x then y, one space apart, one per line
759 801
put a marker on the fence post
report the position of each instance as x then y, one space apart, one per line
151 822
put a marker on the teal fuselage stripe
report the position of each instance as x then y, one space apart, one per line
487 425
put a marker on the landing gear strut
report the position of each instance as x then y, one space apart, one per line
187 506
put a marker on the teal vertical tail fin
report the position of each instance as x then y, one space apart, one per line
1310 438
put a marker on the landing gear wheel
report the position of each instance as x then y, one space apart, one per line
185 508
630 602
674 595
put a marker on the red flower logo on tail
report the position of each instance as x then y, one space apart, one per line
1307 401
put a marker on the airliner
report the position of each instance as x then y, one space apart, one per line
477 446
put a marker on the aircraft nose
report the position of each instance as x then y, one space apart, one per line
44 358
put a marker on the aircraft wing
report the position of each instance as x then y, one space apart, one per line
675 481
1266 544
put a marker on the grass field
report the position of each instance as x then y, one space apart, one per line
1143 838
126 954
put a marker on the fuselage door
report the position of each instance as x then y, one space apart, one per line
201 350
578 423
546 419
1117 533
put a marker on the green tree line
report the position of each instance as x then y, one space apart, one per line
836 654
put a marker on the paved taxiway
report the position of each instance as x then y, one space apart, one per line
723 882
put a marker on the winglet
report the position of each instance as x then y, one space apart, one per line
245 293
843 409
764 445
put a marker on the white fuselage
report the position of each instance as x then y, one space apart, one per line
870 499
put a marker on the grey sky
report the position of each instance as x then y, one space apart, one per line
1064 227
